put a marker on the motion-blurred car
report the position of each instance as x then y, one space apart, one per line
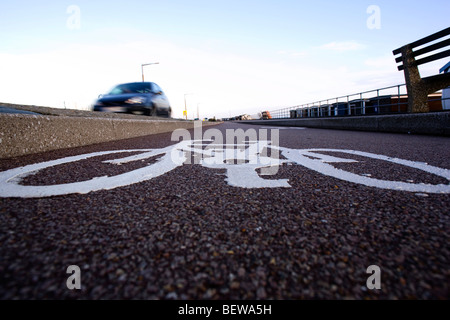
135 97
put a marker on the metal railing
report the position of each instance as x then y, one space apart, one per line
388 100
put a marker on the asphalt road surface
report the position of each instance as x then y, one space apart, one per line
341 217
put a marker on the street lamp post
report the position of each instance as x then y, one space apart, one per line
142 68
185 106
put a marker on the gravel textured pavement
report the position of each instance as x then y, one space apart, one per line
189 235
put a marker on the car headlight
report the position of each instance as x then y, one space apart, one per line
135 100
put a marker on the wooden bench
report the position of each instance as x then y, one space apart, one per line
419 88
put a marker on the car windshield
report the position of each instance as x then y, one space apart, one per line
131 88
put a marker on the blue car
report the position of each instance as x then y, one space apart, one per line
135 97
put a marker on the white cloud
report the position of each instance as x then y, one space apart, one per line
290 53
386 61
343 46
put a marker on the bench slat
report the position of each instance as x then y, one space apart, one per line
431 58
445 76
433 47
425 40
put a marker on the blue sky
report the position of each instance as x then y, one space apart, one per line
233 57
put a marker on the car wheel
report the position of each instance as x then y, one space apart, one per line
151 111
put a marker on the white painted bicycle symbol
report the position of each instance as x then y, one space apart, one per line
241 163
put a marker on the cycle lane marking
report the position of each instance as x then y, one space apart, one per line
242 175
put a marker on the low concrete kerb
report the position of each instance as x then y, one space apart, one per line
22 134
433 123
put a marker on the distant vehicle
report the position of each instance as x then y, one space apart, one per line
246 117
135 97
265 115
